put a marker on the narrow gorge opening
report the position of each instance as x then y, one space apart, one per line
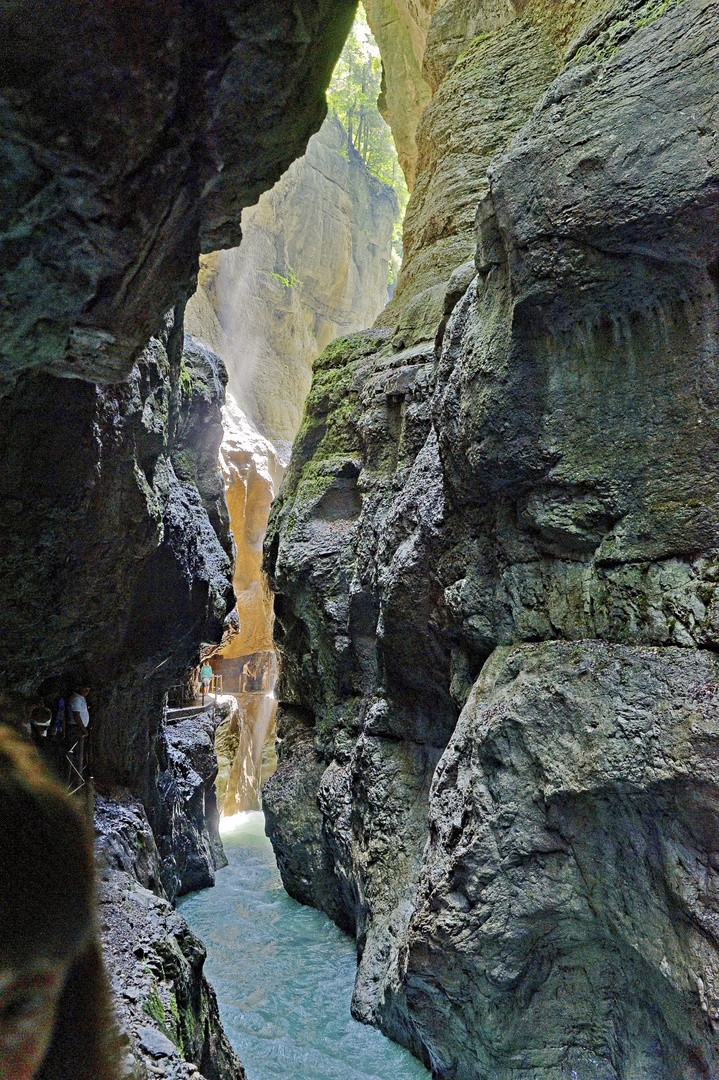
492 557
319 260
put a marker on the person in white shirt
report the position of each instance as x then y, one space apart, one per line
78 722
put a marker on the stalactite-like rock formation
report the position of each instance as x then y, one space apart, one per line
503 506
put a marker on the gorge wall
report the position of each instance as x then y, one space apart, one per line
495 560
134 133
312 266
252 470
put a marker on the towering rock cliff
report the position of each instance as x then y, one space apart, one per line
312 266
134 133
495 556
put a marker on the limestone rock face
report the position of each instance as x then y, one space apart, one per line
588 449
400 29
166 1008
133 133
116 543
313 266
487 63
521 520
568 888
252 471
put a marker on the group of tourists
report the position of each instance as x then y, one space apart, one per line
62 737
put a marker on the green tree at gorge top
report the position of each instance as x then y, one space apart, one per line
352 97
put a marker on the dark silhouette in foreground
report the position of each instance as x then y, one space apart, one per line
55 1016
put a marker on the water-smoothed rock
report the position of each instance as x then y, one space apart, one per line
365 704
190 840
548 473
577 382
133 135
252 470
567 905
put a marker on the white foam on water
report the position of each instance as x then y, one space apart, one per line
284 973
246 821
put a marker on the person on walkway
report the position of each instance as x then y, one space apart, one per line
55 1015
205 679
40 720
78 723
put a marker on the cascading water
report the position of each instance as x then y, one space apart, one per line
284 974
245 751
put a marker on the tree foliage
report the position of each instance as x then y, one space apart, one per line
352 97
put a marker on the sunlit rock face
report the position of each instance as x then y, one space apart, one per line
252 470
486 64
520 523
312 266
245 745
133 134
400 29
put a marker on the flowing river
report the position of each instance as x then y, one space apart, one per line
284 974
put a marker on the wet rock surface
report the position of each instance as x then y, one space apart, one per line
114 527
190 844
166 1009
567 902
134 133
544 474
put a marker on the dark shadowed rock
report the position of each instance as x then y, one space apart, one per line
188 835
567 904
117 556
166 1009
134 132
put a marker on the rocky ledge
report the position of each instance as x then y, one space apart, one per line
166 1008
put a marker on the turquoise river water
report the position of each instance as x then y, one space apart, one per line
284 974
